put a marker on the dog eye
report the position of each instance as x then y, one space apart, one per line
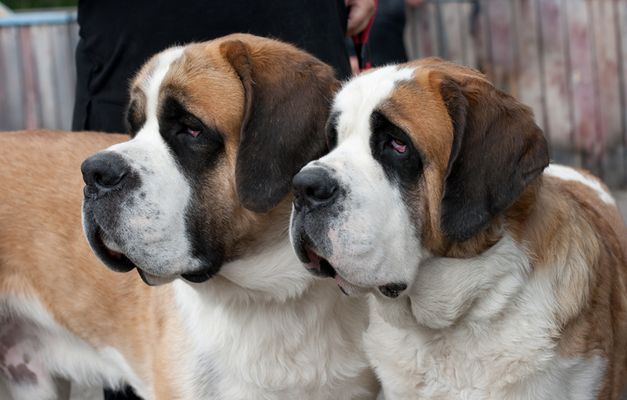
398 146
193 132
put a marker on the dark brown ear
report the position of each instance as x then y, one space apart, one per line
497 151
287 100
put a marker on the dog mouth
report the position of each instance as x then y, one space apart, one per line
315 264
322 268
319 266
119 262
198 277
114 260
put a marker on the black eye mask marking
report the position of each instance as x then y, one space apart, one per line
199 150
196 146
393 149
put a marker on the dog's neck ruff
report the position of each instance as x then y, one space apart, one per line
222 314
277 273
480 328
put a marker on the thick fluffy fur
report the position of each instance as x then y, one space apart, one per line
198 196
486 277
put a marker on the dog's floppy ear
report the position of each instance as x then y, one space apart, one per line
497 151
287 100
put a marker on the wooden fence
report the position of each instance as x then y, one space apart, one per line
37 70
564 58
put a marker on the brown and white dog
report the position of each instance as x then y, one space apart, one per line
199 195
488 278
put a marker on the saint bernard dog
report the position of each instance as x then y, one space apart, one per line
487 275
201 196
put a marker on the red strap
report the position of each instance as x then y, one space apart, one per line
361 43
363 36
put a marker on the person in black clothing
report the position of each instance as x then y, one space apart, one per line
118 36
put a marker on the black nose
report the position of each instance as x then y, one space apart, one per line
314 187
103 172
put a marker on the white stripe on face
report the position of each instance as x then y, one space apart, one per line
360 96
152 231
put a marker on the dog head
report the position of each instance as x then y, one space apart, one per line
427 154
218 131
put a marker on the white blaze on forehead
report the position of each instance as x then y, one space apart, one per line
153 230
355 104
360 96
569 174
152 85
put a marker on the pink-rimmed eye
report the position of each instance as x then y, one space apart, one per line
399 146
192 132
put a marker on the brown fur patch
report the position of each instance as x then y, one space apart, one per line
418 110
448 110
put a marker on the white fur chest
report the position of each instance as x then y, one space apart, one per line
485 332
252 347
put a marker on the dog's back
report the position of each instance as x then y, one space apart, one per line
57 315
588 225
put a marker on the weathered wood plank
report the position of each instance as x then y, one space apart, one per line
13 118
4 95
423 22
569 61
559 127
415 17
31 119
43 46
609 148
504 68
468 36
621 13
526 24
428 43
451 36
607 69
65 85
586 120
37 76
441 30
484 43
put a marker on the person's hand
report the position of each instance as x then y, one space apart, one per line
354 65
414 3
359 14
